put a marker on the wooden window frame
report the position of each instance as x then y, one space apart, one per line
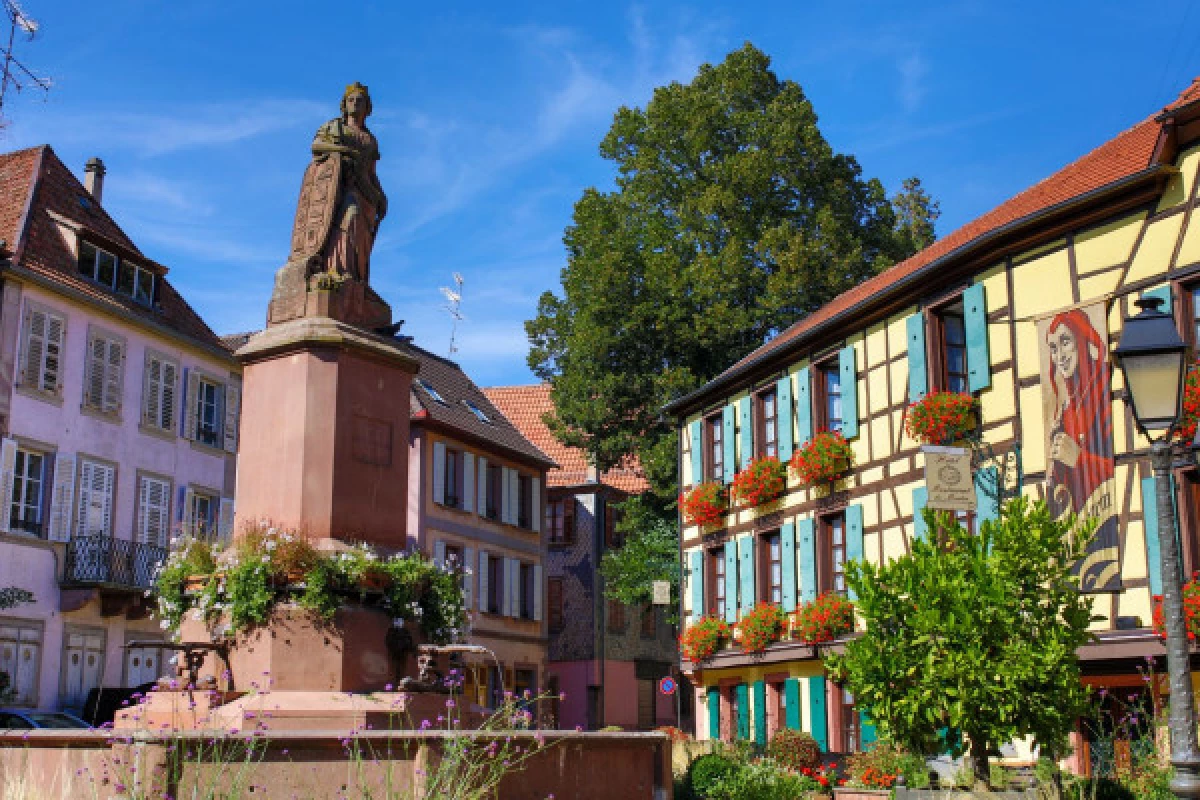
763 582
526 590
716 570
452 478
560 527
820 392
826 576
935 342
849 723
713 427
496 587
762 446
36 528
525 501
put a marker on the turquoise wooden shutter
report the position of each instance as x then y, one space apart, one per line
918 380
807 545
746 552
1153 549
746 429
1161 291
728 443
866 730
987 496
816 711
979 362
731 581
791 699
854 537
697 579
849 375
787 566
804 426
714 713
760 713
695 433
920 497
743 719
783 418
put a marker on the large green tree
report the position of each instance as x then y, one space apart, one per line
974 633
732 217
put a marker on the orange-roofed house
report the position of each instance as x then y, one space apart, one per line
1019 310
606 658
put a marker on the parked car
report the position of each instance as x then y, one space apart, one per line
24 719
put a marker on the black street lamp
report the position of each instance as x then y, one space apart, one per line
1153 359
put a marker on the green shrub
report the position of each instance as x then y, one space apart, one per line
795 750
707 771
1101 789
761 780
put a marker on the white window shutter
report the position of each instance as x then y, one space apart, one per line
142 530
483 580
468 577
50 379
483 487
114 374
33 347
439 553
108 483
152 389
8 468
537 592
93 372
535 505
514 580
86 481
510 496
233 398
170 374
225 519
191 396
153 500
62 500
439 472
468 482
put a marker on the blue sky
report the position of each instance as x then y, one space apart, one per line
489 114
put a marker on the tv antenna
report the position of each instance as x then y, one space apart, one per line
13 72
453 302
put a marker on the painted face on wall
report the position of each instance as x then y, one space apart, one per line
1064 351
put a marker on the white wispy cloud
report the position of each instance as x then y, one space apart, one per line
913 70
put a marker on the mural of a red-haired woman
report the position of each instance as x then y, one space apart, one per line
1079 433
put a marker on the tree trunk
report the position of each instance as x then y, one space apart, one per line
980 765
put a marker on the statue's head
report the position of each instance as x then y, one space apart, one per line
356 89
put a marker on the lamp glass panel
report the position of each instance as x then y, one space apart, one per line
1154 387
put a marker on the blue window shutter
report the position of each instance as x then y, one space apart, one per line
791 698
1150 524
816 711
760 713
714 713
783 418
987 496
979 362
746 552
743 719
920 497
1161 291
807 545
849 375
854 537
787 555
746 428
695 433
728 443
866 730
697 579
918 380
731 581
804 429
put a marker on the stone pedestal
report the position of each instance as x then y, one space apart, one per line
324 432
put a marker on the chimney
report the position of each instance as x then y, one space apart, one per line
93 178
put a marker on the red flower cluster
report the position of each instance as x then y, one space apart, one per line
763 480
824 619
941 417
1186 432
822 458
877 779
762 625
1191 610
704 504
703 638
820 775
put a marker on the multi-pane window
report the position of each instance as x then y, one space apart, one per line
96 484
716 573
554 604
208 412
495 576
154 498
43 333
201 513
29 482
771 590
768 414
833 540
528 590
123 276
495 491
954 351
716 448
851 728
525 501
829 397
453 478
560 520
103 373
158 392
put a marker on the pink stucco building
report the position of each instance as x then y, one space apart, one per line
118 415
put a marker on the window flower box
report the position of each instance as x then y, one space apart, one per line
1190 419
822 620
704 504
762 481
822 459
763 625
704 638
941 418
1191 610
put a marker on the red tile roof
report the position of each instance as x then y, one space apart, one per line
40 247
525 407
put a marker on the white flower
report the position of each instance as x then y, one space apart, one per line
164 625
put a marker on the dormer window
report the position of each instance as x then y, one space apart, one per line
120 275
429 390
478 412
99 265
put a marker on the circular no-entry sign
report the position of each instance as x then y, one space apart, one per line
667 685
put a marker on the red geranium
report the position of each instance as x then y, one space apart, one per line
762 625
704 504
1186 432
763 480
829 616
703 638
1191 610
822 458
941 417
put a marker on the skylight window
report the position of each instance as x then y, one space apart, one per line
477 411
429 390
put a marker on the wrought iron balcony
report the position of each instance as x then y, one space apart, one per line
110 562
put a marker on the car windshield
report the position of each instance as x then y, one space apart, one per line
54 721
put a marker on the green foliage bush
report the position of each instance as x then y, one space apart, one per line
708 770
760 780
795 750
1076 788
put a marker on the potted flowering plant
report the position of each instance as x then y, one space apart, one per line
704 638
824 619
762 481
762 625
940 418
823 458
1186 430
1191 609
703 504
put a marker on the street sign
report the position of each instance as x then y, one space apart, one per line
667 685
662 593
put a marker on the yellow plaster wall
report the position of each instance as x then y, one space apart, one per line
1107 244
